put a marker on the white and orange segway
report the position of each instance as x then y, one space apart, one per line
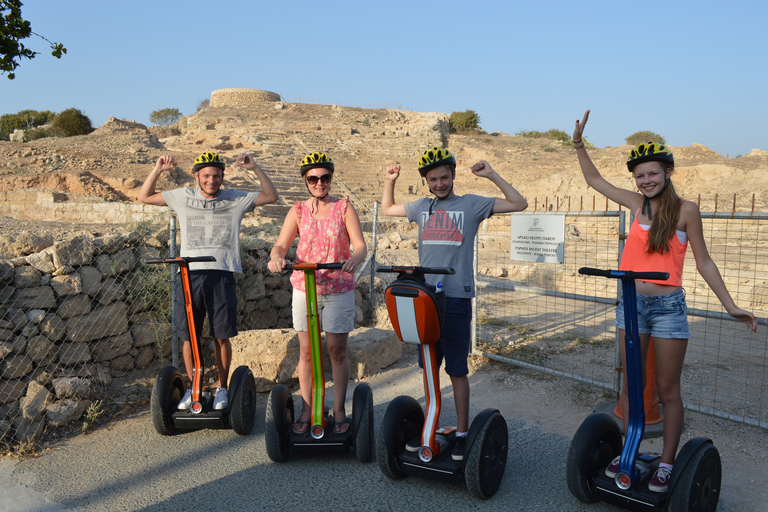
416 311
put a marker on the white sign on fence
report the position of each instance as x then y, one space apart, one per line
538 238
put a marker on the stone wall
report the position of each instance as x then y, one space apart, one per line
223 97
45 205
85 312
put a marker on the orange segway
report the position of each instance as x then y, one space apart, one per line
168 390
416 311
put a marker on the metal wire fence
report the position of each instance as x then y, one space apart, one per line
549 318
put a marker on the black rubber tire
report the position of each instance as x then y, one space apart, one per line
402 421
362 422
596 443
242 403
167 392
278 420
487 457
698 486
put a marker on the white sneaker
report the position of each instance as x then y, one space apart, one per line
220 400
186 401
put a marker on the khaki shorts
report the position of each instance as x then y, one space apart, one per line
336 311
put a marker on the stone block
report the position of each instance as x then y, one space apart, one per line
73 252
34 402
111 290
27 277
66 411
104 321
90 278
42 261
40 297
53 327
272 355
11 390
74 387
112 347
74 306
150 333
71 354
7 272
67 285
15 366
41 350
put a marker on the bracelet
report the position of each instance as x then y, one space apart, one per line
578 147
576 141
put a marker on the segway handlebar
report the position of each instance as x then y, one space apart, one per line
419 271
312 266
180 259
624 274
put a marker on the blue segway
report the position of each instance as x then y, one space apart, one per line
695 481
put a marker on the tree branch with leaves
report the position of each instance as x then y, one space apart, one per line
13 29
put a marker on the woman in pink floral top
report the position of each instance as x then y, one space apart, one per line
326 227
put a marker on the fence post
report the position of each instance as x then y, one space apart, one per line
473 328
174 269
374 237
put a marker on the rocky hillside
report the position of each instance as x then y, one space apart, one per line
110 164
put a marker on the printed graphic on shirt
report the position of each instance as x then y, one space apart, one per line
443 227
211 231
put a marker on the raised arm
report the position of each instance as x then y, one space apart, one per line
513 201
594 179
147 194
268 191
691 217
388 206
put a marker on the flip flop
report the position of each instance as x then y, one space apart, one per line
338 428
300 424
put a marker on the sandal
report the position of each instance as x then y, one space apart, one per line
341 427
303 427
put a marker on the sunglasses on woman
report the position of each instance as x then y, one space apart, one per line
325 179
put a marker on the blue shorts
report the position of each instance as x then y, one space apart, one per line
663 316
213 294
455 339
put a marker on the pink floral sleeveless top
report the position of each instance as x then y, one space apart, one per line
323 241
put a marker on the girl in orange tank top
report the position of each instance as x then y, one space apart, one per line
658 206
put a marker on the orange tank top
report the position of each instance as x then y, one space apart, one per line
637 259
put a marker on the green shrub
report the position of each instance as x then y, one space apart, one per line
72 122
38 133
463 122
645 136
165 116
530 134
203 104
24 120
558 135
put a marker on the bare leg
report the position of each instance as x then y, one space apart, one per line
305 375
223 351
337 351
461 399
670 355
186 353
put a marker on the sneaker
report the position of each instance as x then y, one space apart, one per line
220 400
613 468
458 448
414 444
660 480
186 401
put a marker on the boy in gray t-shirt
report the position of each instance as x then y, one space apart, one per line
210 226
448 224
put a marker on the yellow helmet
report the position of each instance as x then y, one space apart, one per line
649 152
208 160
435 157
315 160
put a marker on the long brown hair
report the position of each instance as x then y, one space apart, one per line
664 224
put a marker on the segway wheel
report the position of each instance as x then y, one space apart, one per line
402 421
278 419
698 487
362 422
167 392
487 457
242 403
596 443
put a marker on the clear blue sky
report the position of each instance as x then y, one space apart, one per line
692 71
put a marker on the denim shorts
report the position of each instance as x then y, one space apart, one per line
455 339
336 311
663 316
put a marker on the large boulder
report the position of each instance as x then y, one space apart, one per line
273 354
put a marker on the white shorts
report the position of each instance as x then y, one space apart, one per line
336 311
